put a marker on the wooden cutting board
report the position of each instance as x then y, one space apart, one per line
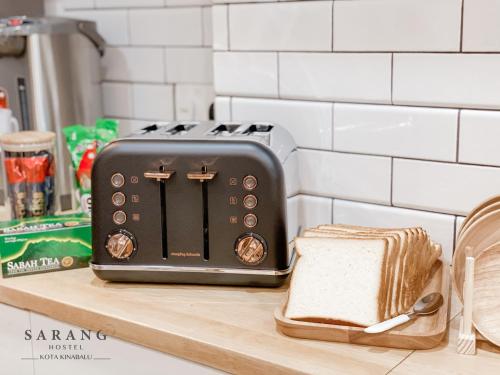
422 333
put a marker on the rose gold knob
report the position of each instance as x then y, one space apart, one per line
249 182
120 246
250 201
250 220
250 249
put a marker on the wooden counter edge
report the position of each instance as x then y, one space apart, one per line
201 352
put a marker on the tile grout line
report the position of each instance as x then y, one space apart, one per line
129 30
457 151
392 181
174 100
362 102
203 36
333 20
227 28
165 58
231 108
362 52
332 215
455 231
462 26
157 83
278 73
373 203
452 162
333 127
392 78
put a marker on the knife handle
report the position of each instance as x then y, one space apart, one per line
388 324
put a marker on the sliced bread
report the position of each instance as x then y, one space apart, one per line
339 280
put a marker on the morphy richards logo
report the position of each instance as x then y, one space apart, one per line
70 344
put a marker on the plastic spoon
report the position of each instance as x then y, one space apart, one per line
425 306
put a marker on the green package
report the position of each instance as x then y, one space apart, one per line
45 244
84 143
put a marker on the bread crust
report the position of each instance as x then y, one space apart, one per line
408 259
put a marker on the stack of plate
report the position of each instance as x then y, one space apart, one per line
479 237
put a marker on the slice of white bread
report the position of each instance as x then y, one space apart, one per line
401 256
392 256
414 270
338 280
416 263
410 256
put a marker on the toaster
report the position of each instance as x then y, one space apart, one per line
196 202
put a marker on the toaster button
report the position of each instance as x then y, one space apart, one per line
118 199
117 180
249 182
250 220
250 201
120 245
251 249
119 217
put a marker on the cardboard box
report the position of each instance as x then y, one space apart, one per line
45 244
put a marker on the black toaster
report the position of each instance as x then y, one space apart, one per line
200 203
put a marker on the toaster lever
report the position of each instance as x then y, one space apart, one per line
158 176
201 176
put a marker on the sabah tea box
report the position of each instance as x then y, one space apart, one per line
45 244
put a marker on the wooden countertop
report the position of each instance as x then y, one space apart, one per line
228 328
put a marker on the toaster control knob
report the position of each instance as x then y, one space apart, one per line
250 201
118 199
117 180
251 249
250 220
119 217
249 182
120 245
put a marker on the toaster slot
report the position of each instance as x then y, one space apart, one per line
149 129
224 129
162 176
180 129
204 177
259 128
204 192
163 208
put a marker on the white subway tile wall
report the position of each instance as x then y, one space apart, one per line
158 60
223 108
411 132
447 80
481 26
412 136
348 176
394 122
219 27
152 102
439 226
479 136
442 187
246 73
395 25
281 27
343 77
310 123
